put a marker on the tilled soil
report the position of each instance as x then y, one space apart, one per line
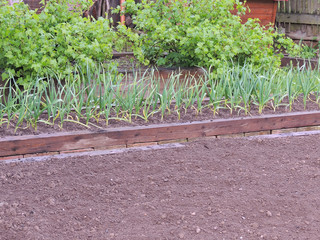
212 189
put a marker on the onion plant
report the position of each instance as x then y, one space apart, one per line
263 91
178 96
291 87
190 94
308 83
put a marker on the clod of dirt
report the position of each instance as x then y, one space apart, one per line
269 214
163 216
51 201
255 225
181 235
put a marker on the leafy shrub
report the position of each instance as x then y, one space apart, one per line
52 42
198 33
307 51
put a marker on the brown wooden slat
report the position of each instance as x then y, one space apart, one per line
299 18
264 10
295 62
130 135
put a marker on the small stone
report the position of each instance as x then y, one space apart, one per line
181 235
163 215
12 211
255 225
193 213
51 201
198 230
269 214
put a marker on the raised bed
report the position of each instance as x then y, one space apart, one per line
23 146
298 62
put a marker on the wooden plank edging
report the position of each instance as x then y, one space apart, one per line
21 145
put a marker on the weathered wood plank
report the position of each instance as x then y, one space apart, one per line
298 18
130 135
298 62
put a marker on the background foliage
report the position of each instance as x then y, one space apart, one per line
205 33
52 42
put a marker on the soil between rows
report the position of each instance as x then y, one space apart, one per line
212 189
190 116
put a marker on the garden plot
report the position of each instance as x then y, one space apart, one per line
101 98
213 189
121 110
60 81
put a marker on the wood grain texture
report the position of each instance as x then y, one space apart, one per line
299 19
295 62
264 10
143 134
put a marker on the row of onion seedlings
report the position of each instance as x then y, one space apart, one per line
98 94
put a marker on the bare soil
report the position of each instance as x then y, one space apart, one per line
242 188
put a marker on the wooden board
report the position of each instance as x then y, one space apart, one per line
264 10
20 145
298 62
299 18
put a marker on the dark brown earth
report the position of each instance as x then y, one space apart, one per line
172 117
212 189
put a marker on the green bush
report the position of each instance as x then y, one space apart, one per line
52 42
199 33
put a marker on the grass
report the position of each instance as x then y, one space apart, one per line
86 98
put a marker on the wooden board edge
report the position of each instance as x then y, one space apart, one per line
162 132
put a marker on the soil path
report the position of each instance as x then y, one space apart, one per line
211 189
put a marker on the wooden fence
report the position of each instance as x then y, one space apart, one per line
100 8
299 19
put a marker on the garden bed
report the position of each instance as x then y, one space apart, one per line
48 141
298 62
106 110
